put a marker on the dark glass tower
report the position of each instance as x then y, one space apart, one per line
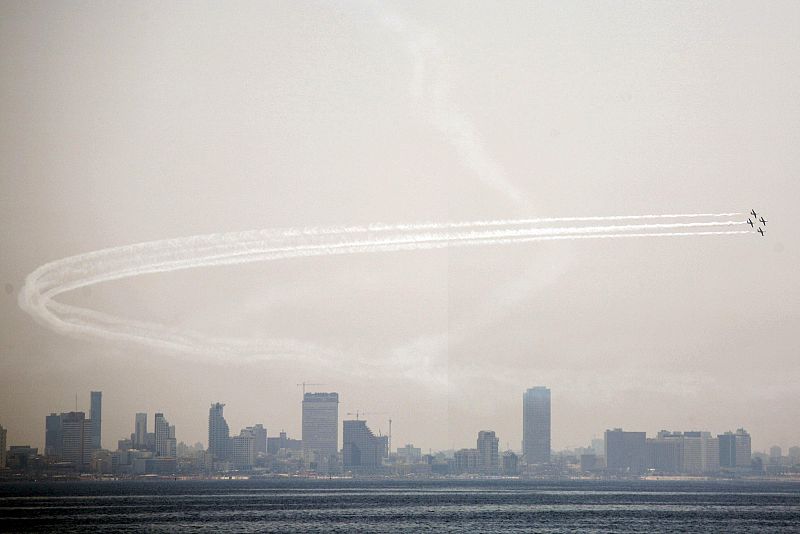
536 425
218 433
96 414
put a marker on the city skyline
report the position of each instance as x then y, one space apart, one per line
71 448
320 446
140 427
151 124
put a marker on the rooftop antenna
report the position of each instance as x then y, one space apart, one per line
304 384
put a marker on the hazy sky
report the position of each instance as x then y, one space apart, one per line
125 122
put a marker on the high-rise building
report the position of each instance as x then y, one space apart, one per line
172 443
76 432
488 453
536 425
734 449
320 428
700 453
95 414
52 436
510 464
625 451
683 452
363 450
260 435
218 433
162 436
243 450
710 453
140 431
465 461
3 439
794 455
665 452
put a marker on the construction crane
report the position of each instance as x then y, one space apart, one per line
304 384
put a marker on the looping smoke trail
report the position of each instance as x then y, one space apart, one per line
48 281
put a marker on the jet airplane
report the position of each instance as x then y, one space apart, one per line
750 222
761 231
763 221
754 213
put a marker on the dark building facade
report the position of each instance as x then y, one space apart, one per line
510 464
52 436
734 449
363 451
665 453
95 414
488 453
536 425
218 433
626 452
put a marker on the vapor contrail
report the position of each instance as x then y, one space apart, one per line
502 222
431 88
50 280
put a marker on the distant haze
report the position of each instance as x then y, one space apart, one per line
132 122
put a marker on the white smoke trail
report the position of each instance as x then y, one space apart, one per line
431 89
376 227
50 280
244 247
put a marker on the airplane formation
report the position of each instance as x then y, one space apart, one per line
762 222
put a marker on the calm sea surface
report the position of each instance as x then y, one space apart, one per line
400 506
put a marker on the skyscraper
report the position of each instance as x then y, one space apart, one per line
260 434
536 425
218 433
626 451
95 414
140 431
172 443
162 436
52 435
243 450
665 452
320 427
488 456
3 438
363 450
76 433
734 449
693 452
